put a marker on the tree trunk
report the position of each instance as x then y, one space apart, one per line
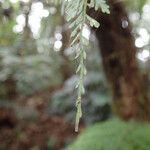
118 51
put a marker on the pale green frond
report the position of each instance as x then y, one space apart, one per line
77 17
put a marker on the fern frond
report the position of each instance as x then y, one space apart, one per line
77 17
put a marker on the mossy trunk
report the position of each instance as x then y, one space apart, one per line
130 101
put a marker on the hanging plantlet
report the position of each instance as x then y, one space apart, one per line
75 13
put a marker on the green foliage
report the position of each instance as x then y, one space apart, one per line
51 143
77 17
31 73
31 63
7 37
137 5
114 135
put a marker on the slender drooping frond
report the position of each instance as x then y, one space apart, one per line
77 17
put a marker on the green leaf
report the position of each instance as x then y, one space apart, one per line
92 22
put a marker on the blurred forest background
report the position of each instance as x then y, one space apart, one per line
37 77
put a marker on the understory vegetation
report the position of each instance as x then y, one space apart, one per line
74 65
114 135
